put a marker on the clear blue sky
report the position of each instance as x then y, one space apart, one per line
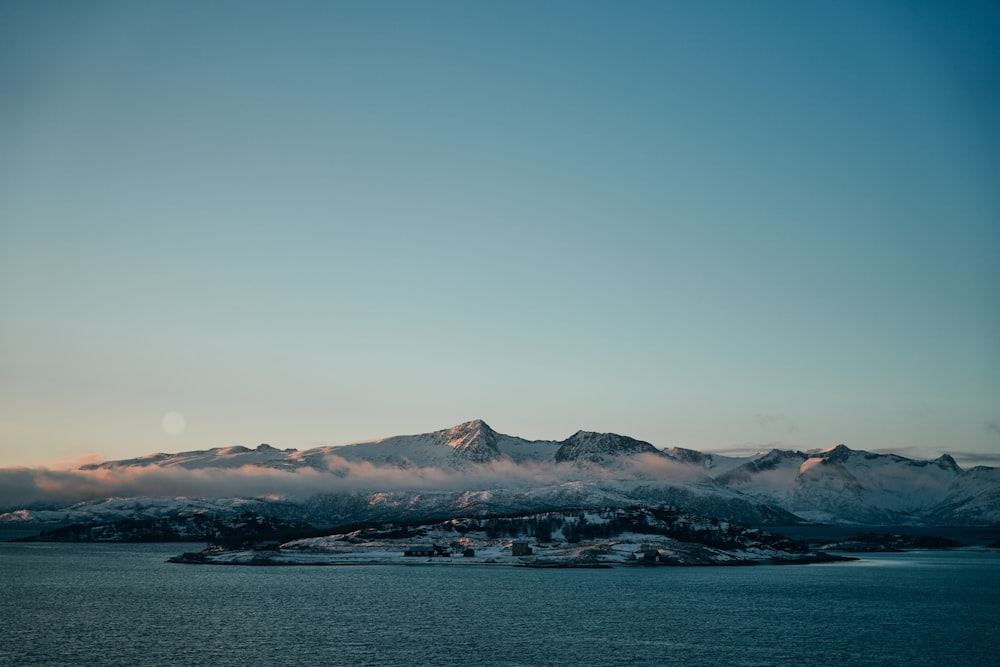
717 225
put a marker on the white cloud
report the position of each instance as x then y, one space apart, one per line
24 486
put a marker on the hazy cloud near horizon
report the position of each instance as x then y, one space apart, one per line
20 487
970 459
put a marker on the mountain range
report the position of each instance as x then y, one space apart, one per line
472 470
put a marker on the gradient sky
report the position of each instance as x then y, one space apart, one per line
717 225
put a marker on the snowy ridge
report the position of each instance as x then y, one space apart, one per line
217 457
471 442
601 448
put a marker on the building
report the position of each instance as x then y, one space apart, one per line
520 548
422 551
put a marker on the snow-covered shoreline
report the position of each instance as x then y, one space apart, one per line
630 550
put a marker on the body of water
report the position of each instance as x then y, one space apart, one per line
121 604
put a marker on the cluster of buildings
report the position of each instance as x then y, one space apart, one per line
517 548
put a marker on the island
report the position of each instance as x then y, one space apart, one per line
636 536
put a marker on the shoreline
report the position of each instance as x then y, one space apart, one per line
599 557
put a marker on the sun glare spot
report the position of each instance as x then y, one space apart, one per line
174 423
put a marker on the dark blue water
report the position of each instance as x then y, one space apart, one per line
122 605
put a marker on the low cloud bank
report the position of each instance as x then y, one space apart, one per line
22 487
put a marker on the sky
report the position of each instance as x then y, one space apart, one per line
725 226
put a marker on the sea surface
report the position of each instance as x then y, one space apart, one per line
121 604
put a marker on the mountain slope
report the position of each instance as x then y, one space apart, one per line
601 448
470 469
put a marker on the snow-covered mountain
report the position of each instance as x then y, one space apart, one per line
841 484
471 442
472 470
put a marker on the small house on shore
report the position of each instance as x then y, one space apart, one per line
520 548
419 551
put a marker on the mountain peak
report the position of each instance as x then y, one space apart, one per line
945 462
599 447
839 453
474 425
473 440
